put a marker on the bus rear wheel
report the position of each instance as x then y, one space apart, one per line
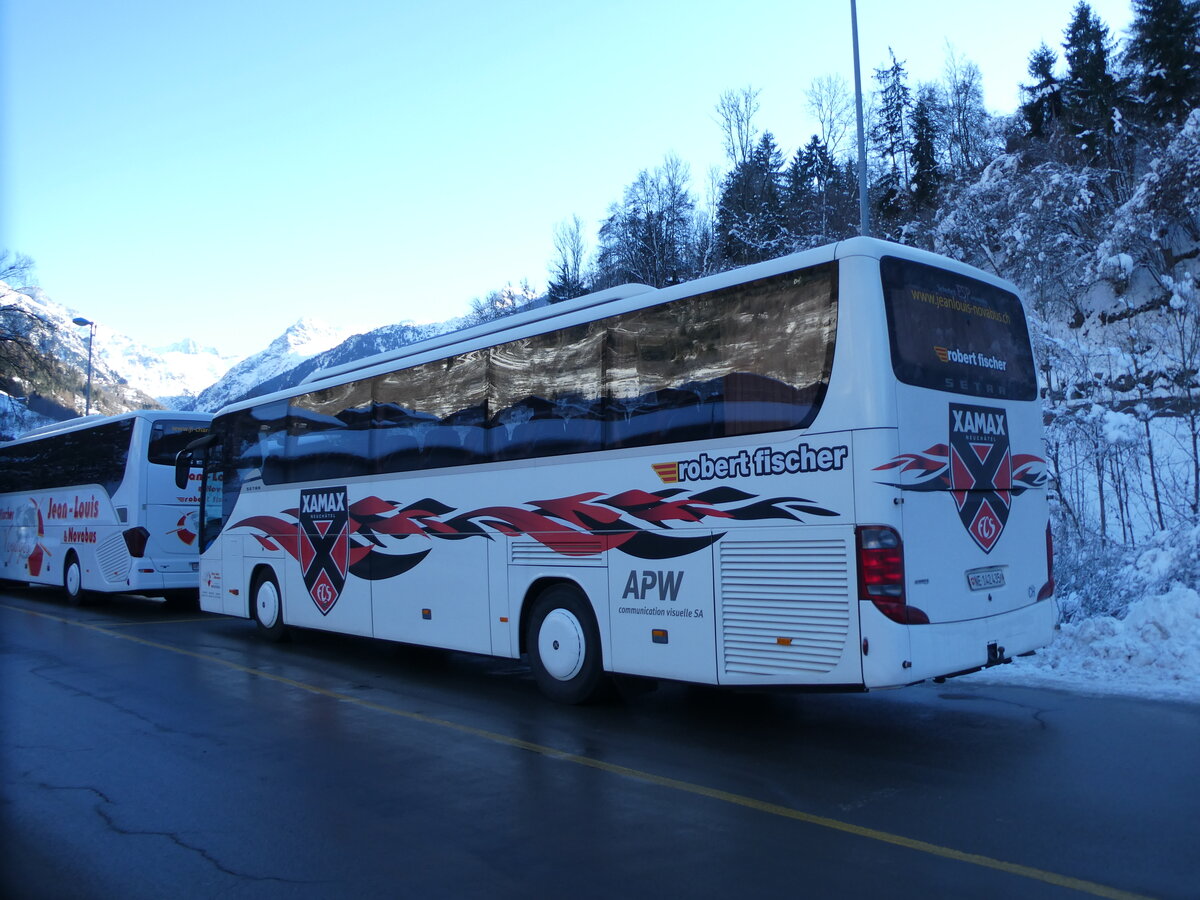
564 645
73 579
266 605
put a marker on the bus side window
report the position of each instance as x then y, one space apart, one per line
430 415
546 394
327 434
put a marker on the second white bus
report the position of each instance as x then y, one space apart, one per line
823 471
91 505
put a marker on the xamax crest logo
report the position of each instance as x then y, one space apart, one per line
980 471
324 544
976 467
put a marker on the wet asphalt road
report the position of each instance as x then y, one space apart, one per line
149 753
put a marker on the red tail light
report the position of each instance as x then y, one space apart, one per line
135 540
1047 590
881 574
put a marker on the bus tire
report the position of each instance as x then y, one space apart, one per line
73 579
563 643
266 605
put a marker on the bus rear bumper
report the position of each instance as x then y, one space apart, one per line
159 580
955 648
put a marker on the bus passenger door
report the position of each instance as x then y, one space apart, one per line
231 581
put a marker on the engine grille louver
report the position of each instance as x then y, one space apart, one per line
785 605
113 557
588 554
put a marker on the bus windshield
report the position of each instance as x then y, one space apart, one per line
954 333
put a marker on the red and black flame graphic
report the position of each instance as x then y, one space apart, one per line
323 544
977 468
374 532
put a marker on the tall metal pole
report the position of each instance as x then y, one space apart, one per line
87 408
87 404
864 217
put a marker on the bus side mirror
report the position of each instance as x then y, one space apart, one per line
183 468
191 457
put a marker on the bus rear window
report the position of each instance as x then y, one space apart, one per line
953 333
168 438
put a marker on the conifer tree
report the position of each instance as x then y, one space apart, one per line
890 133
750 214
806 200
1043 106
1090 91
923 123
1164 46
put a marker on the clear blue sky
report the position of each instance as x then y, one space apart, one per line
217 170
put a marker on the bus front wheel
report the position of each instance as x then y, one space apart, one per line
564 645
73 579
266 603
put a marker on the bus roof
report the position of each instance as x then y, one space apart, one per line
612 301
82 423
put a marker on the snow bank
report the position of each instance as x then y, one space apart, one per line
1154 651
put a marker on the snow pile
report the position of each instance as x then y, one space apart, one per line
1154 651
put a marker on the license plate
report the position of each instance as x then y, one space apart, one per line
985 579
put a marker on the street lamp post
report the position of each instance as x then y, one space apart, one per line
80 320
864 216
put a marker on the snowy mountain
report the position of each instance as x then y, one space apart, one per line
130 375
174 375
302 341
282 365
45 361
355 347
167 373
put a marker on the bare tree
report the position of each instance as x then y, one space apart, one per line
832 105
736 111
18 352
566 270
15 268
647 237
968 123
497 304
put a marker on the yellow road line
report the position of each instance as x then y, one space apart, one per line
151 621
687 787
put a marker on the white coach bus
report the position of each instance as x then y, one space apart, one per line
91 505
821 471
